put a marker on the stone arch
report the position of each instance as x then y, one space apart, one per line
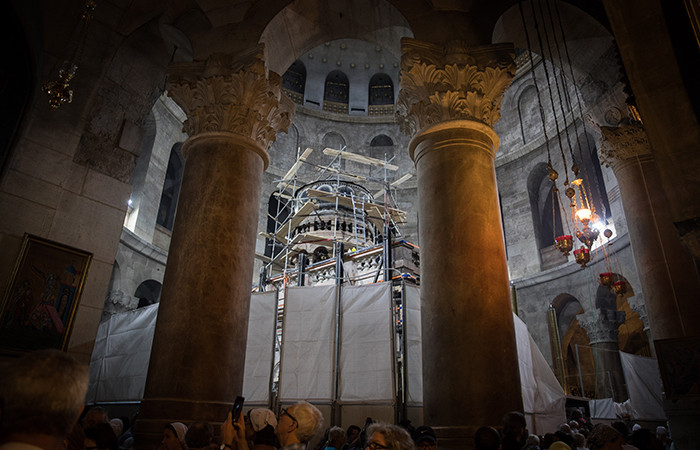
123 102
529 114
148 293
575 347
604 299
333 139
171 188
380 147
587 35
285 42
336 92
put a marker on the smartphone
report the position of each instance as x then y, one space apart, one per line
236 408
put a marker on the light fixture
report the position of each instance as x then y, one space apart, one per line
59 90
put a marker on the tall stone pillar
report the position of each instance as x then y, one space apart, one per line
450 98
602 325
667 271
234 110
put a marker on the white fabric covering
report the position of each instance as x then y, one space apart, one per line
644 387
260 347
603 408
544 400
306 366
366 344
120 358
413 354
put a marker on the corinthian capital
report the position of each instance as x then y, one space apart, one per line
621 144
232 94
601 325
452 82
637 305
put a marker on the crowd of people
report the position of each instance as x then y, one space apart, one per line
41 407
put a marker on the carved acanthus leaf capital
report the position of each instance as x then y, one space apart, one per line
620 144
601 325
452 82
232 94
637 305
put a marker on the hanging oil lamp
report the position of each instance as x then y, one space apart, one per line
582 256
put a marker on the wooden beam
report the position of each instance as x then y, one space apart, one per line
360 158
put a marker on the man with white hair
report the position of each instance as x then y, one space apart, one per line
297 425
42 395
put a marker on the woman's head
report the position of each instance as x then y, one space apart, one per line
390 437
174 436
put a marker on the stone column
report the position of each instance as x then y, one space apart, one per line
602 325
234 109
667 271
450 97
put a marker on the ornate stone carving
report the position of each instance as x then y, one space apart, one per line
637 305
232 94
601 325
452 82
620 144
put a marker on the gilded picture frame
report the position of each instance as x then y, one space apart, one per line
42 297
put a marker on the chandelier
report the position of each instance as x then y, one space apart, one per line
59 90
583 214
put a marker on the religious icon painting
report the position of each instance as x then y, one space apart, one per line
43 295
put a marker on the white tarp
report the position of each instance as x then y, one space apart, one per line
603 408
644 387
544 400
120 357
366 355
260 347
306 366
413 355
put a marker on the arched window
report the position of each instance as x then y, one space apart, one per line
529 115
381 147
546 216
148 293
171 188
336 93
593 178
381 95
294 81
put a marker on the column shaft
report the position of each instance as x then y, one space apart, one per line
470 363
667 272
198 354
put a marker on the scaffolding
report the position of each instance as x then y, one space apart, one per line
332 217
312 217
